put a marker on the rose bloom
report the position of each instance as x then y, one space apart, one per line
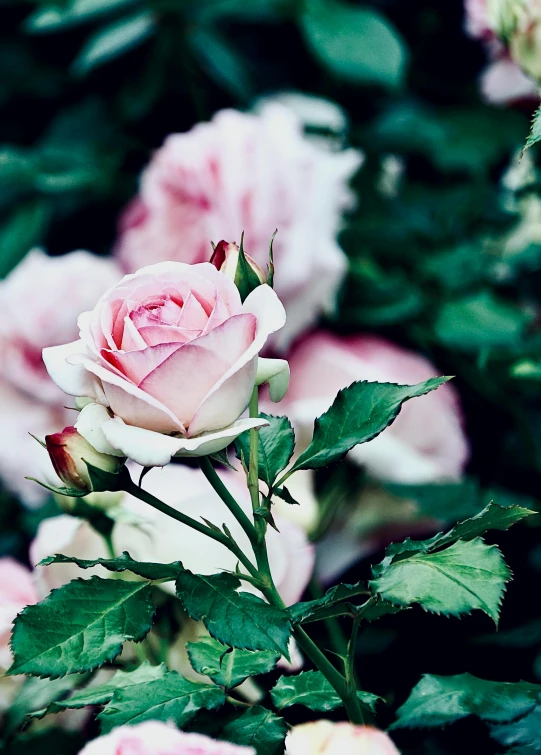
328 738
254 173
156 738
169 357
40 301
426 443
149 535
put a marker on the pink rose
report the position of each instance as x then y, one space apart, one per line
251 173
16 591
31 320
170 358
504 82
41 299
156 738
426 443
70 452
328 738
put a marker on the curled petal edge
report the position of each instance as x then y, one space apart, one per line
152 449
275 372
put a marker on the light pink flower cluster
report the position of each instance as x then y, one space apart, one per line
155 738
251 173
511 30
40 300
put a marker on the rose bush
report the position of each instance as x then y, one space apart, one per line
169 359
40 300
328 738
251 173
426 443
155 738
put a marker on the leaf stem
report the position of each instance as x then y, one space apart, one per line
130 487
214 479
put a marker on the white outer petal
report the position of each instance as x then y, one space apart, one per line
73 379
275 372
89 425
151 449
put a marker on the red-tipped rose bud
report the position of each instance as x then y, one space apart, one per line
70 453
239 266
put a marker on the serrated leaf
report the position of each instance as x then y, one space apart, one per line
311 689
171 698
375 608
124 562
523 735
535 130
258 728
276 446
237 619
464 577
335 598
358 414
226 666
492 517
103 693
439 700
80 626
285 495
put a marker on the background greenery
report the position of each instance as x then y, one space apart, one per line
90 87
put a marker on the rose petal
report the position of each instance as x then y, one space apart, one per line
73 379
136 365
89 424
153 335
275 372
184 378
151 449
193 316
131 338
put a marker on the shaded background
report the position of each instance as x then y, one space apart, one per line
85 99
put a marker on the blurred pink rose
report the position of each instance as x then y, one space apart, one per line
503 82
16 591
156 738
426 443
40 300
328 738
173 353
251 173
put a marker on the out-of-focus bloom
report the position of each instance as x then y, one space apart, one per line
158 538
172 352
254 173
512 31
69 452
40 300
156 738
17 590
426 443
328 738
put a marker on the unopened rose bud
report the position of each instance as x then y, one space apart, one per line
70 453
247 275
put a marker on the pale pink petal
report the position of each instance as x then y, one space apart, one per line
156 334
193 316
73 379
136 365
131 337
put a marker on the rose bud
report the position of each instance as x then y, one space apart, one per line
70 453
243 270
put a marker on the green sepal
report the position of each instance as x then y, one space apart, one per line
245 279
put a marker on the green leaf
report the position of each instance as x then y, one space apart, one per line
35 695
257 728
524 735
336 598
358 414
535 130
354 43
480 321
53 18
493 517
276 446
464 577
23 230
113 40
237 619
226 666
311 689
80 626
439 700
219 55
285 495
103 693
124 562
450 501
171 698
